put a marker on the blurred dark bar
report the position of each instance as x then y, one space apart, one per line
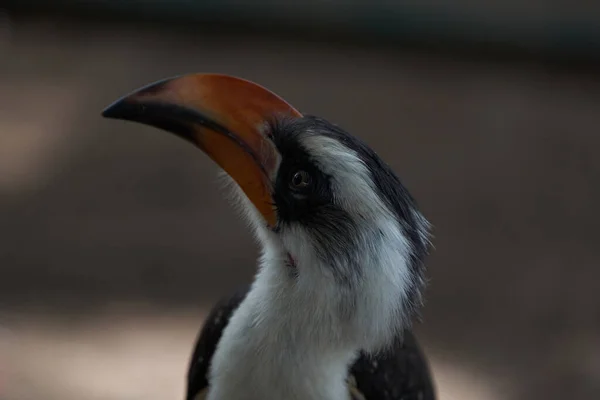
560 33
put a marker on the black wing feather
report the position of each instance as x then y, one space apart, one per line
207 341
398 374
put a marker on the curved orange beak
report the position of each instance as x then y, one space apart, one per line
227 117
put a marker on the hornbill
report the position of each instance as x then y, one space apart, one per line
328 315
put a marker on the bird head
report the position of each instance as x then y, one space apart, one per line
332 217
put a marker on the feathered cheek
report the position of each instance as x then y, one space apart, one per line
297 245
291 262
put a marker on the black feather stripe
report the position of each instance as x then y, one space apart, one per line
206 343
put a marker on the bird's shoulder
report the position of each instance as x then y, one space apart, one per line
206 343
401 372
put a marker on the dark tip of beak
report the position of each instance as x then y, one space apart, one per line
122 108
114 111
161 116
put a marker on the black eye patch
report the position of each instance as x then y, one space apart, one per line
300 187
298 202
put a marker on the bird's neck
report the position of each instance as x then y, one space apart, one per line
280 345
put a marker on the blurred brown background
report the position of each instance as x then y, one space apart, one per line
115 240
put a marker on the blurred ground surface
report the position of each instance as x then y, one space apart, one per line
114 239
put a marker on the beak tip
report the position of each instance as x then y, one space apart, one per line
113 111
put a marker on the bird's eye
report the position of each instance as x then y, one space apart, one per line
300 180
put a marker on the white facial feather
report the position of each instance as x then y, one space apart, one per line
378 295
296 333
351 180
